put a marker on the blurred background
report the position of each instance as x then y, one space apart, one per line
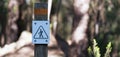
78 28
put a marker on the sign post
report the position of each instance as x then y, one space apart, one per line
40 29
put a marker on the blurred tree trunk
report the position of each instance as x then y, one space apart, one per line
80 23
11 27
3 20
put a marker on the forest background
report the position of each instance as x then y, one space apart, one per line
74 25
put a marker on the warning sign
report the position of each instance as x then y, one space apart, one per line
40 32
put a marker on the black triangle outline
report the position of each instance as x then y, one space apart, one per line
44 32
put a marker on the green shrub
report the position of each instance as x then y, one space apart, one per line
94 50
108 50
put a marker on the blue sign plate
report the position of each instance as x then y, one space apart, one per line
40 32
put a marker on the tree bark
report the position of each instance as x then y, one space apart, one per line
80 23
11 27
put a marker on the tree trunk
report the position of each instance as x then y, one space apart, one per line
11 27
3 20
80 23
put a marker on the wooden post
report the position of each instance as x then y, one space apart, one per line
41 50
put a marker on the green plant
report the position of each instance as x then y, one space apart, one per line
94 50
108 50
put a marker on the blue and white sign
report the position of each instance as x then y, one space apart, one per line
40 32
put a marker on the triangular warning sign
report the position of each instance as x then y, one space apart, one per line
40 33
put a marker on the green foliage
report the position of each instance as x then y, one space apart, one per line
108 50
94 51
109 20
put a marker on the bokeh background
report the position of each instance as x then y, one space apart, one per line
78 28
